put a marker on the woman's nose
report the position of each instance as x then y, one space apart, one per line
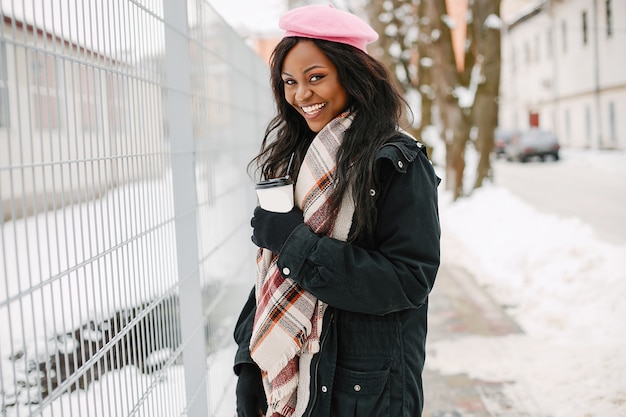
303 92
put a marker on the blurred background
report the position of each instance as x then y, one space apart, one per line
126 128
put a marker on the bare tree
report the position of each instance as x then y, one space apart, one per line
446 80
416 44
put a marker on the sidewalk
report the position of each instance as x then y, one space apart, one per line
460 308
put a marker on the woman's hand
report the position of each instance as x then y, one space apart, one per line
251 401
270 230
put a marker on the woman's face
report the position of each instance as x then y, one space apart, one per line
312 85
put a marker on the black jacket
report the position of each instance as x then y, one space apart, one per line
374 332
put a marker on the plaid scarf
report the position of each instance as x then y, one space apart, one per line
288 321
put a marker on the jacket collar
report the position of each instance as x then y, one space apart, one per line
401 151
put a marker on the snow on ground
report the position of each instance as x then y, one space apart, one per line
560 283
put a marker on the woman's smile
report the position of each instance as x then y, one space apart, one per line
313 109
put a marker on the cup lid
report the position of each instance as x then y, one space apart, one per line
273 182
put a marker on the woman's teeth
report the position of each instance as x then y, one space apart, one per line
313 109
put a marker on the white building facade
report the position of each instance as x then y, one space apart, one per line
563 69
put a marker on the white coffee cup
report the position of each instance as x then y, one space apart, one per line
275 194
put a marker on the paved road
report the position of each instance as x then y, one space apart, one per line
590 187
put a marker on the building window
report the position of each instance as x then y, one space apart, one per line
44 90
116 99
86 84
585 28
568 127
527 55
513 60
564 33
609 18
537 47
612 125
588 124
4 87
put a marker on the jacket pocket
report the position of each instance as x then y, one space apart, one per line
360 394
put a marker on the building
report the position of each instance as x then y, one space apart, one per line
59 112
65 104
563 70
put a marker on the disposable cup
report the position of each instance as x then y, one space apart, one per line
275 194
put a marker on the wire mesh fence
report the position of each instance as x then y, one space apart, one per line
125 131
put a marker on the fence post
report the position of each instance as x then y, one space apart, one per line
178 81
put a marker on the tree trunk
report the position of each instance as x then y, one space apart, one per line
424 75
485 110
456 124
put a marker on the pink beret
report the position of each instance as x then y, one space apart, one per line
327 23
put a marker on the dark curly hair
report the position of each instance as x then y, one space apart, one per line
377 105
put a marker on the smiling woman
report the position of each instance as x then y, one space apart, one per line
336 324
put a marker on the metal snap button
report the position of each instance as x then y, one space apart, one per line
372 192
286 271
324 388
400 164
357 388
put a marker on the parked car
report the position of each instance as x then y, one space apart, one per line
501 138
532 143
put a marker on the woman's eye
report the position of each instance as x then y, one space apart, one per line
289 82
317 77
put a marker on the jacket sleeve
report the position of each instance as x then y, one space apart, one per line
398 273
243 332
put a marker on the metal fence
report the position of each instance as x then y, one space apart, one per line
125 130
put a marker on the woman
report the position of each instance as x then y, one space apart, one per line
336 324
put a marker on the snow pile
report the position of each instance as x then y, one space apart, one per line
562 285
